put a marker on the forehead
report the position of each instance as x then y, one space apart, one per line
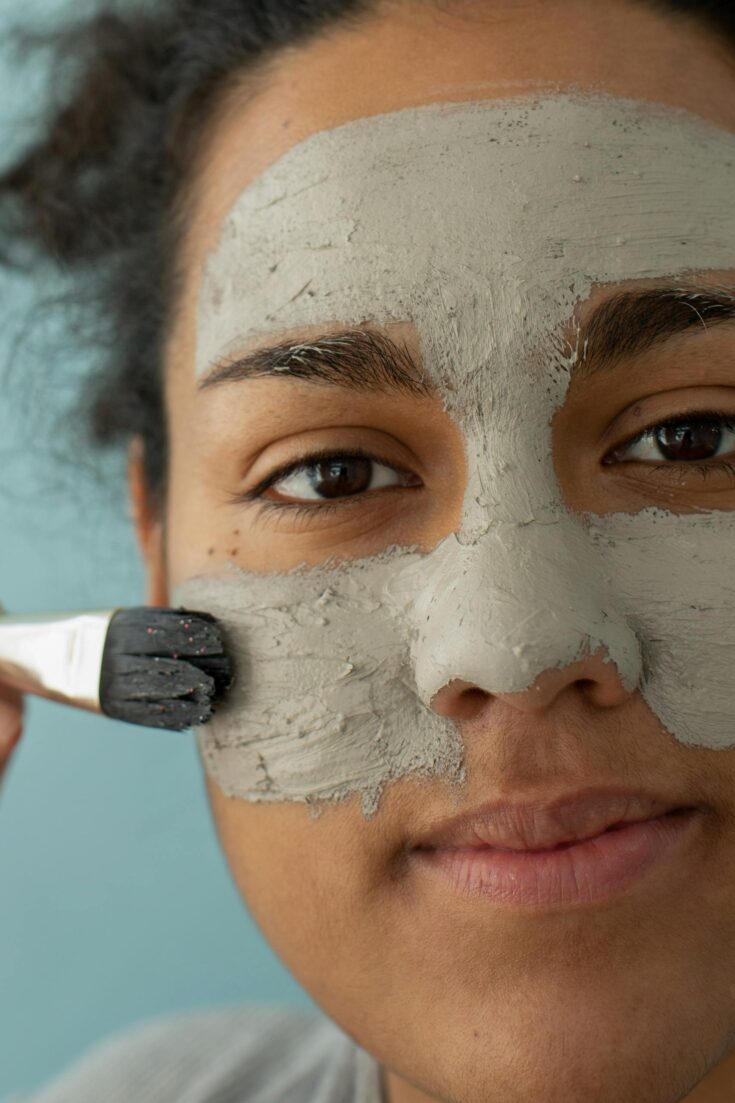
503 212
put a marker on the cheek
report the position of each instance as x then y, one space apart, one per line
261 843
315 887
191 540
324 704
191 522
675 587
203 531
278 866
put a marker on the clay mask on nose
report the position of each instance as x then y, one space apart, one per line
484 224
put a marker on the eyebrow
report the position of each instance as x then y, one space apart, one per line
630 323
620 328
359 359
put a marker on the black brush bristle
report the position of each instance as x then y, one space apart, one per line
163 668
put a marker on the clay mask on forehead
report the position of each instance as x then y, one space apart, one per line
484 224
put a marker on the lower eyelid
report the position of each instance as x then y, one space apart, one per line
313 510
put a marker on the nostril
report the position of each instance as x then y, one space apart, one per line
474 699
459 701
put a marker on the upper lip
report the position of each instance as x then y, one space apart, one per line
541 825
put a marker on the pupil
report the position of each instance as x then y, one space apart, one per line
341 478
689 440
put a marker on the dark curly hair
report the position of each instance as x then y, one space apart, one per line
98 193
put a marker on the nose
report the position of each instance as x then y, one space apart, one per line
525 612
595 677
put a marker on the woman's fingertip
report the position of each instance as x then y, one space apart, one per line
8 743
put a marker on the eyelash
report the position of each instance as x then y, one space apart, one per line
297 510
725 420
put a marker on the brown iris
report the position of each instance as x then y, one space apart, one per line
340 478
689 440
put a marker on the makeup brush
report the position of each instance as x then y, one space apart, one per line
162 668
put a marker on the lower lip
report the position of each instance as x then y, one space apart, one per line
582 873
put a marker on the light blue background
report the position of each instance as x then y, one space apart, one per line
115 903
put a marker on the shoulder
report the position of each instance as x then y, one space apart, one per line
243 1055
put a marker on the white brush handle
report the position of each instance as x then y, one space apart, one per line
58 656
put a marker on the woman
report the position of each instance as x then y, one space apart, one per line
423 344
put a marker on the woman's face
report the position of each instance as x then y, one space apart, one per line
504 443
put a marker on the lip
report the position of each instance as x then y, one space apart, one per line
576 849
543 824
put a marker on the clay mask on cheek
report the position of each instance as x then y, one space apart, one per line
484 224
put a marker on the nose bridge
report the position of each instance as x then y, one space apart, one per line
521 600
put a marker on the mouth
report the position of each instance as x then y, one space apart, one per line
578 849
545 824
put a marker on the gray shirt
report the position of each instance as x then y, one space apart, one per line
248 1055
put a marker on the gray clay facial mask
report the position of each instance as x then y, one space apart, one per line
484 224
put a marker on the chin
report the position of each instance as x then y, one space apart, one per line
590 1042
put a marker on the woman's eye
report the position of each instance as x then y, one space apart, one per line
329 478
687 439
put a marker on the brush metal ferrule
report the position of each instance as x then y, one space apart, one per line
55 656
